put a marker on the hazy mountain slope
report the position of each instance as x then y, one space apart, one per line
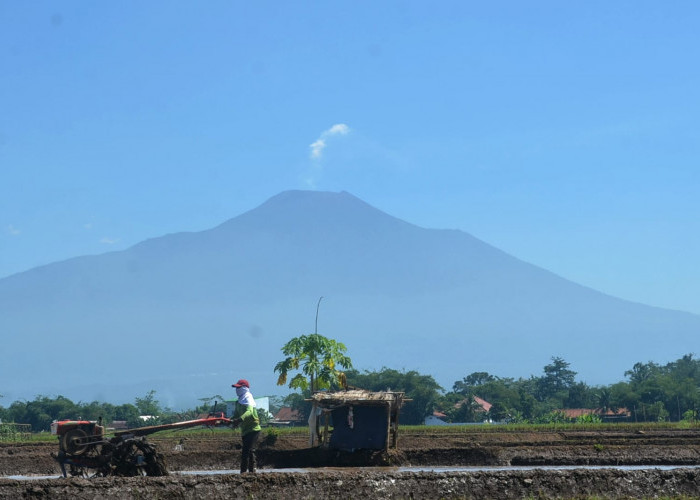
215 305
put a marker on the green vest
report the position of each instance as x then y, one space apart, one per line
250 422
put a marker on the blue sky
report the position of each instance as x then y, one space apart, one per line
564 133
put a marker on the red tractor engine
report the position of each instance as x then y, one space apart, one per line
75 435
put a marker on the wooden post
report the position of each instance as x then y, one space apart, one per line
396 425
388 427
325 429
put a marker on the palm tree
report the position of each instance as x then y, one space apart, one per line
317 357
604 397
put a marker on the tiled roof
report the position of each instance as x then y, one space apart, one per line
483 404
287 414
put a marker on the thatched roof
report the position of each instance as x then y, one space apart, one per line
358 397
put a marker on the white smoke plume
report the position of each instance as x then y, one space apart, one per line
319 144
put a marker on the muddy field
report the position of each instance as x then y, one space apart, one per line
344 480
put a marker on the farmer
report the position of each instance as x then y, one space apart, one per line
246 416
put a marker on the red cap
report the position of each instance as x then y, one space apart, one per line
241 383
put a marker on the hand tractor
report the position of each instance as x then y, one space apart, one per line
83 445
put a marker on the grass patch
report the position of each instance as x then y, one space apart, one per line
499 428
14 432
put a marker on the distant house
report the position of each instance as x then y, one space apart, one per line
484 406
118 425
438 418
286 416
607 415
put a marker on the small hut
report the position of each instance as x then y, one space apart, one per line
359 419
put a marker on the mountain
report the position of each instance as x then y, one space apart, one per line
188 313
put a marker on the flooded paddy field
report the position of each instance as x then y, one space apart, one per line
509 464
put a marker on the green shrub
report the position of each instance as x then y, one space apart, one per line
690 416
14 432
589 419
271 435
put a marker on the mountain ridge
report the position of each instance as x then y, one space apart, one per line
256 278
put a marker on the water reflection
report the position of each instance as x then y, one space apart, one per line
438 469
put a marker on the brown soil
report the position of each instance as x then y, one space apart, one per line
473 448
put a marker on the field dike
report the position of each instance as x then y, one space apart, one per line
390 485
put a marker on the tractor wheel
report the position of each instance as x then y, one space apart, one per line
138 458
127 460
155 462
71 442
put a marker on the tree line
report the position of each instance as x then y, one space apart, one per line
651 392
43 410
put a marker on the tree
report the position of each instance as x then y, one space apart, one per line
128 413
317 357
42 411
604 397
276 402
641 372
423 390
210 404
471 381
557 380
685 368
464 410
96 410
148 405
657 412
580 396
527 404
498 412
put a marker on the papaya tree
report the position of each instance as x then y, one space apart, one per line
317 358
